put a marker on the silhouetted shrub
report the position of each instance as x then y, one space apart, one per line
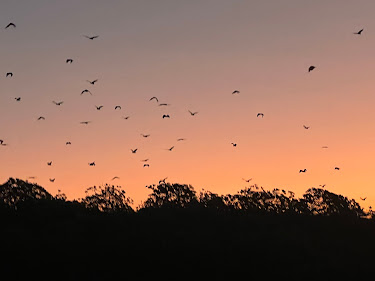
108 199
167 195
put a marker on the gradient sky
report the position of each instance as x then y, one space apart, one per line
192 54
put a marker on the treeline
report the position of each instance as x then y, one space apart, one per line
18 195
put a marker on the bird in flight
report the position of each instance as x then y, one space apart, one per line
171 148
86 91
115 178
99 107
126 117
303 171
322 185
247 180
92 164
145 136
192 113
359 32
154 98
146 165
2 143
166 116
234 144
324 146
145 160
92 82
337 168
18 99
49 163
363 198
91 37
10 24
306 127
235 92
117 107
68 143
311 68
164 104
260 114
58 103
134 150
85 122
9 74
69 61
41 118
52 180
181 139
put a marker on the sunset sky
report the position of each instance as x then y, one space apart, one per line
191 55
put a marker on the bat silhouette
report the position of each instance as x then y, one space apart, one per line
303 171
192 113
359 32
234 144
85 122
337 168
92 164
145 136
154 98
162 180
18 99
99 107
166 116
92 82
145 160
311 68
114 178
164 104
146 165
41 118
170 149
247 180
324 146
69 61
49 163
86 91
68 143
134 150
363 198
260 114
9 74
126 117
181 139
235 92
11 24
117 106
306 127
91 37
58 103
52 180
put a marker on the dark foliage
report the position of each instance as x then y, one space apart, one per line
179 234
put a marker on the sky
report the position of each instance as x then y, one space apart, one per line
191 55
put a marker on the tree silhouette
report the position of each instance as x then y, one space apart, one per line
168 195
108 198
322 202
15 192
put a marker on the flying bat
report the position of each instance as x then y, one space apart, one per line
69 61
134 150
92 164
91 37
11 24
235 92
58 103
9 74
154 98
359 32
311 68
303 171
166 116
192 113
86 91
260 114
92 82
117 107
